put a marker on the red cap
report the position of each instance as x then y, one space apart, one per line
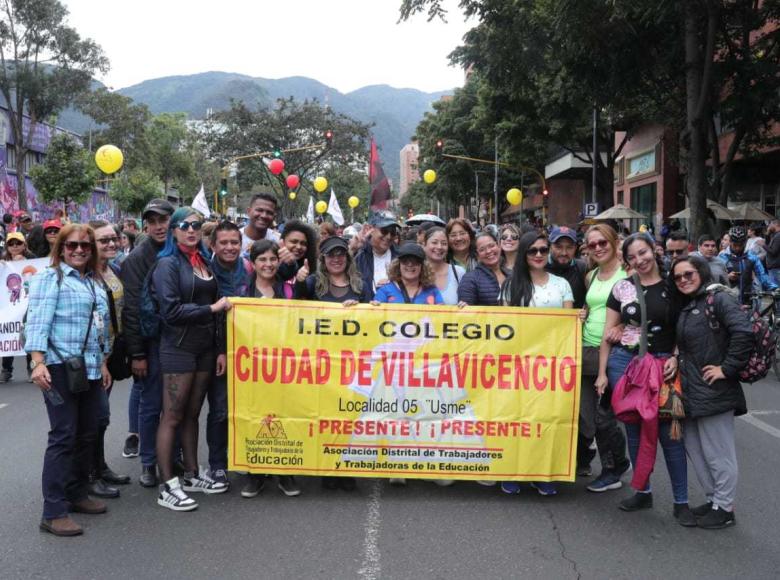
52 224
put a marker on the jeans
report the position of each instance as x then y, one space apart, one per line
72 433
150 406
774 275
134 405
674 454
217 423
104 413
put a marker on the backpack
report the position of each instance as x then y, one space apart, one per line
762 357
149 309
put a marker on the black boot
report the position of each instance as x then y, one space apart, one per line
148 476
106 473
638 501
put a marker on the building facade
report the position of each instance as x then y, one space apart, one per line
410 171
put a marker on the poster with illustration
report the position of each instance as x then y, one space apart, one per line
14 291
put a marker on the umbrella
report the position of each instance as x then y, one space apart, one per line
421 218
720 212
749 212
620 212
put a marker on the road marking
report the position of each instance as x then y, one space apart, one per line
765 427
3 405
371 568
765 412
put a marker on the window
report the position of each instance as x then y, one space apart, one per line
620 197
643 200
30 160
10 153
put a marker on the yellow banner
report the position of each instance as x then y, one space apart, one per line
403 391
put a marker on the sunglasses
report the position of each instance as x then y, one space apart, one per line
83 246
543 251
184 226
510 237
15 243
601 244
106 241
51 231
387 231
675 252
687 276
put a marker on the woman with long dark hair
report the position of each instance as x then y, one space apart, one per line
509 238
482 285
189 303
462 241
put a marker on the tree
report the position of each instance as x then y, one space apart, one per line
68 173
134 188
44 65
171 162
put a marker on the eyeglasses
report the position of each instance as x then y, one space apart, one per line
106 241
601 244
510 237
687 276
83 246
184 226
51 231
14 243
675 252
543 251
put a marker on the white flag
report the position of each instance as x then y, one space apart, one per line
310 211
334 210
200 203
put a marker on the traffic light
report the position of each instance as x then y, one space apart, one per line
439 149
545 193
329 138
277 153
223 188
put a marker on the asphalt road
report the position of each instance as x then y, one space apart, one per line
421 531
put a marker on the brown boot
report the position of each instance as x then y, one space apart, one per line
61 527
89 506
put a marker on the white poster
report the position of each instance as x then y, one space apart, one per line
15 279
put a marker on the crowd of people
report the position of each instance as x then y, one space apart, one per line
149 302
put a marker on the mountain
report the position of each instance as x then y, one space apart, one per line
395 112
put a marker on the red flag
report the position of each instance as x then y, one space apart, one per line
380 187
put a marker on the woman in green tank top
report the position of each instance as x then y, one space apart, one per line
596 416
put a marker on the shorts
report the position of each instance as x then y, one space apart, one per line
177 361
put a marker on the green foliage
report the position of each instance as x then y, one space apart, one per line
170 159
418 199
68 174
134 188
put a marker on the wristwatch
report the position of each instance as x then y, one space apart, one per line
35 363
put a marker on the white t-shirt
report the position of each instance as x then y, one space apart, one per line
553 294
381 264
450 293
246 241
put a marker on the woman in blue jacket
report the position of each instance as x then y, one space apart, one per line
411 280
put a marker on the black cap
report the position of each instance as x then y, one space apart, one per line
158 206
411 250
333 242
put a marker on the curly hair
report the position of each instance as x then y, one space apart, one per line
322 281
427 279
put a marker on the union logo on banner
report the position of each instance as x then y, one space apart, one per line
271 428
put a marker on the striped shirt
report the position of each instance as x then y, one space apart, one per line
61 312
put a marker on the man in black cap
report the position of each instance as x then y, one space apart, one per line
375 256
145 355
562 262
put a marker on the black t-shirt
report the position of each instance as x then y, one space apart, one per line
660 315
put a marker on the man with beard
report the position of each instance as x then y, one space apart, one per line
562 262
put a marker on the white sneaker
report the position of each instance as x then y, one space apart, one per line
203 483
173 497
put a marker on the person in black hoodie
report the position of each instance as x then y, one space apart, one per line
715 341
191 349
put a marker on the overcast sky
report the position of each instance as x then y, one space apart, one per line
346 44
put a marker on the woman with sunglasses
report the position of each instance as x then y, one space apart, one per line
715 341
510 240
15 249
68 318
103 478
596 416
624 317
191 319
462 243
447 276
482 286
532 286
265 282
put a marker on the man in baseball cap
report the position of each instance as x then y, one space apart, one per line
158 206
562 262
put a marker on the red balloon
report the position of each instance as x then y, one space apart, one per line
276 166
293 181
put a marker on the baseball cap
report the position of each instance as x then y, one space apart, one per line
52 224
15 236
383 221
562 232
158 206
411 250
24 217
332 243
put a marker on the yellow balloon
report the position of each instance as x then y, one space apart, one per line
291 195
643 228
321 207
514 196
109 159
353 201
320 184
429 176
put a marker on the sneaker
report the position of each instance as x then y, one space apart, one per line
131 446
605 482
288 486
684 516
638 501
173 497
716 519
397 482
545 488
148 476
510 487
202 482
253 486
220 477
584 471
702 510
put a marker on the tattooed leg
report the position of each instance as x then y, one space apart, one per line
176 392
190 424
